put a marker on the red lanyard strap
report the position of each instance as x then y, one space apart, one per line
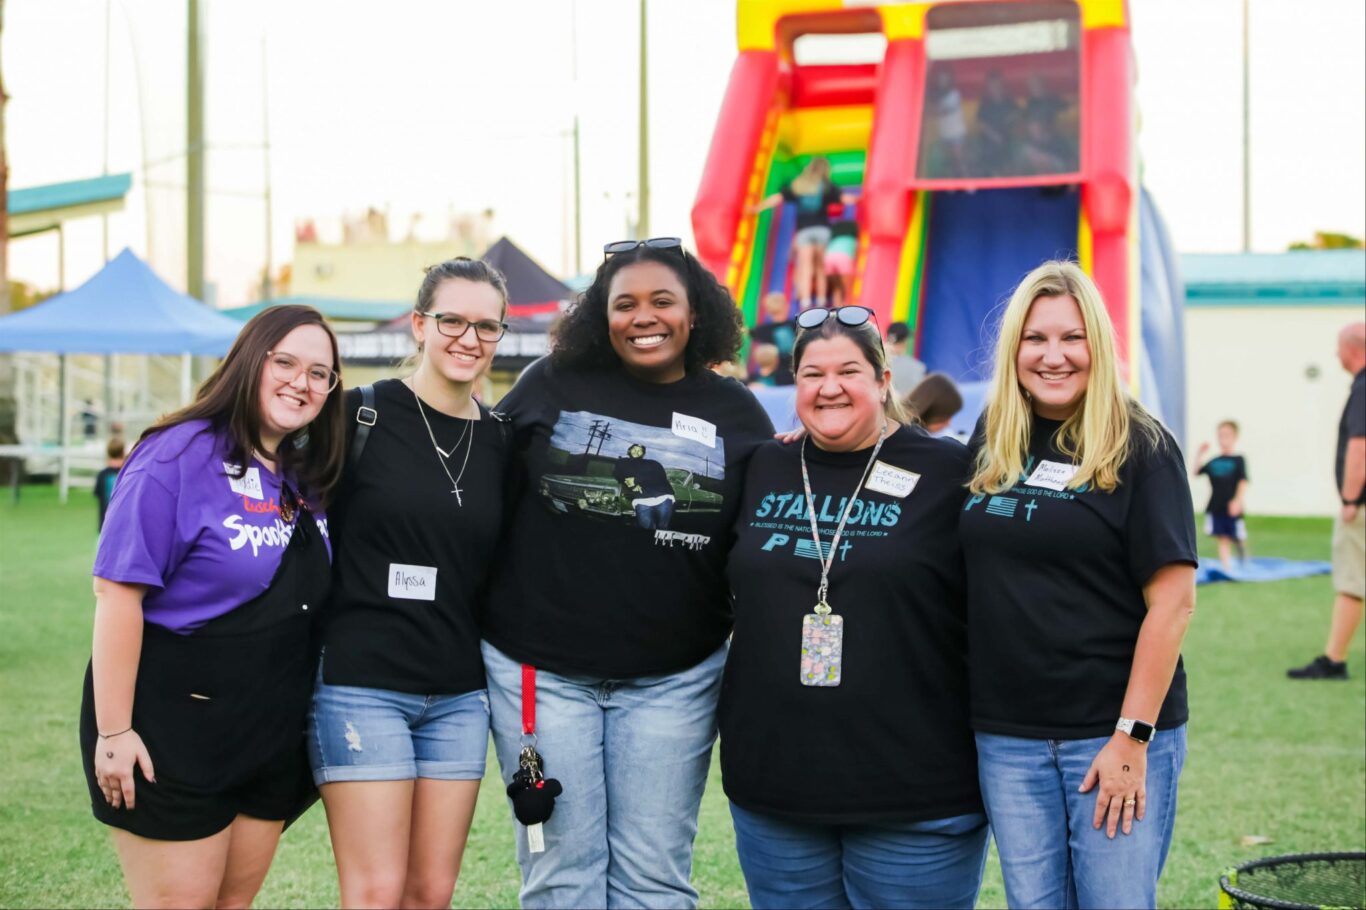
528 699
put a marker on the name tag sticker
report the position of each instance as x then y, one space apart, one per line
1051 475
249 484
412 582
696 429
892 481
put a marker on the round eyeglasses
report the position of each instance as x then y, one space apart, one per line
286 368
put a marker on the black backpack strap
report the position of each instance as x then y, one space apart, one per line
504 424
366 417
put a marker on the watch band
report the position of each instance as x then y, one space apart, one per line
1137 730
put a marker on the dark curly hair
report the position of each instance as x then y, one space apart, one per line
581 340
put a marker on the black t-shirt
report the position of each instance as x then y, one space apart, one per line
1055 589
891 742
813 209
408 562
580 587
1351 426
1224 473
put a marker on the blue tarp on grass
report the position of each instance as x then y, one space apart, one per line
1259 568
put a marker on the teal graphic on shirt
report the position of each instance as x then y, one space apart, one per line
1025 500
788 519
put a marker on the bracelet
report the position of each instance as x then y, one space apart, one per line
112 735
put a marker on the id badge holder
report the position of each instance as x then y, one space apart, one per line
822 649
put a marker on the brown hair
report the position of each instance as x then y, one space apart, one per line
230 401
869 343
463 267
1231 424
115 449
934 399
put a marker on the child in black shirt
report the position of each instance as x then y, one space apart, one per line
104 480
1228 480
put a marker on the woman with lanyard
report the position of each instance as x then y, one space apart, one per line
1079 540
211 566
399 727
605 630
845 746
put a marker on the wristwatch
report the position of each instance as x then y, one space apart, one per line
1137 730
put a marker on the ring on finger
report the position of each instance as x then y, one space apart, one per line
1130 801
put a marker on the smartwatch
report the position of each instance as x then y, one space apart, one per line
1137 730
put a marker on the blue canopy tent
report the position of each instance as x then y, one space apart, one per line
125 308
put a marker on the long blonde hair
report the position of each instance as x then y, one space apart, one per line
1099 433
813 177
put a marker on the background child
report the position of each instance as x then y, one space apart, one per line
104 481
934 401
1227 475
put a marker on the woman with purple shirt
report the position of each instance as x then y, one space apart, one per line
213 558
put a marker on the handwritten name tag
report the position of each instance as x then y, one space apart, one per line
412 582
1051 475
249 484
696 429
891 481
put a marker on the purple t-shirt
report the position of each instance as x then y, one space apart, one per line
202 541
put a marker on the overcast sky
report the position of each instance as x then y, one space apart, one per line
422 107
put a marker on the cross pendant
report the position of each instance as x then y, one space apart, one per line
458 500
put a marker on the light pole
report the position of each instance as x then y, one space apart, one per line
643 189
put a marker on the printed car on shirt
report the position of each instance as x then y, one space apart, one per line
605 496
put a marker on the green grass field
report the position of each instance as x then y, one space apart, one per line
1268 756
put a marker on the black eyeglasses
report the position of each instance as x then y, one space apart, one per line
852 316
654 243
453 326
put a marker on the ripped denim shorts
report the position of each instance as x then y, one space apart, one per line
355 733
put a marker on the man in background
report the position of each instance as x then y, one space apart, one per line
1349 528
906 370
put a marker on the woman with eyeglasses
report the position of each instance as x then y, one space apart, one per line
845 746
398 733
606 623
211 566
1079 540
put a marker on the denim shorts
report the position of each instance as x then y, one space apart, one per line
816 235
356 733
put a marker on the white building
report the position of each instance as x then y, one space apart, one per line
1261 349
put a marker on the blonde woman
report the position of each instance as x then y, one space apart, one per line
1079 540
814 193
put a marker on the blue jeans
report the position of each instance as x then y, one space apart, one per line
358 733
1051 856
909 864
632 755
655 517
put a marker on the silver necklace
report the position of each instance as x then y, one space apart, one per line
442 454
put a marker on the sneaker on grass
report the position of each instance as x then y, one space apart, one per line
1321 667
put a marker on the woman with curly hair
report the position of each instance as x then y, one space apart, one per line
606 622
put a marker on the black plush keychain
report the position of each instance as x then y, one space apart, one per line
533 796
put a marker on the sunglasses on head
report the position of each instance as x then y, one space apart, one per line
654 243
852 316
